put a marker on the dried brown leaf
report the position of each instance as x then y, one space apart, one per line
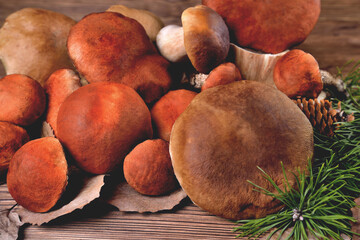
356 215
76 197
9 225
46 130
126 199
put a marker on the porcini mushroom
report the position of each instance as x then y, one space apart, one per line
170 42
99 124
223 74
269 26
228 131
151 23
33 43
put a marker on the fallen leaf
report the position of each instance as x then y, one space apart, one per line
126 199
46 130
9 225
81 190
356 214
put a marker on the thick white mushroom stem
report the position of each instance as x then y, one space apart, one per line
170 42
255 66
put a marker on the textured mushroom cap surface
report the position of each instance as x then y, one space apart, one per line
22 99
151 23
33 42
206 37
12 137
225 133
99 124
148 169
37 174
223 74
297 74
103 46
269 26
168 109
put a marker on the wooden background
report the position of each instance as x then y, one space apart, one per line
334 41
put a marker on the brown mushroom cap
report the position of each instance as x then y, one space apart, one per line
100 123
58 87
297 74
206 37
103 46
33 42
225 133
270 26
22 99
223 74
37 174
12 137
148 169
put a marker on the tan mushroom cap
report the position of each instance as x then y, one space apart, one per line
151 23
33 43
103 46
270 26
206 37
225 133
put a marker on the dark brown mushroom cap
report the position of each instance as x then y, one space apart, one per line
100 123
104 45
270 26
225 133
37 174
206 37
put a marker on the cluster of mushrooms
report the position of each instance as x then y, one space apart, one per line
163 106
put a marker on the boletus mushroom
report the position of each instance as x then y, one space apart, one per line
37 174
100 123
33 43
228 131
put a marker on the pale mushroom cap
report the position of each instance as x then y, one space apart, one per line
170 42
225 133
147 19
206 37
33 43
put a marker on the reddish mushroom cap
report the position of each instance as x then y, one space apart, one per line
270 26
100 123
223 74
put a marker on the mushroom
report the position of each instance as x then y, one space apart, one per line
165 111
228 131
37 174
148 169
58 87
12 137
206 39
100 123
107 46
33 43
22 99
223 74
269 26
151 23
297 74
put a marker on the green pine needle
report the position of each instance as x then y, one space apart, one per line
320 204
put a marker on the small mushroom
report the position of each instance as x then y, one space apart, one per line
22 99
228 131
223 74
100 123
168 109
58 87
37 174
269 26
33 43
12 137
148 169
151 23
297 74
170 42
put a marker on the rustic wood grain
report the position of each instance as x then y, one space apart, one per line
334 41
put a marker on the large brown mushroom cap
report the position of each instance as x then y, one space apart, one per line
225 133
100 123
270 26
206 38
104 45
33 42
37 174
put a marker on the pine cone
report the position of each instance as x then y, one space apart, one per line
322 115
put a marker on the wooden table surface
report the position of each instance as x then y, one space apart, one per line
334 41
